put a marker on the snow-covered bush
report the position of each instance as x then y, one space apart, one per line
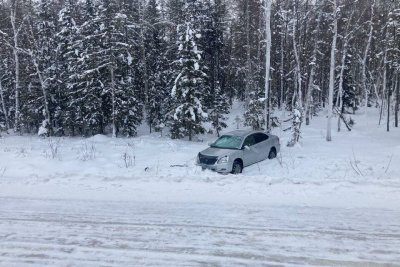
253 115
2 171
296 118
44 129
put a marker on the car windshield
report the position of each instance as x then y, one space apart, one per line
228 141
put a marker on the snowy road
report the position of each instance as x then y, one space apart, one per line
96 233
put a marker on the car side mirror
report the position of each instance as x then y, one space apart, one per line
246 147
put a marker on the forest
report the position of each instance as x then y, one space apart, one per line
89 67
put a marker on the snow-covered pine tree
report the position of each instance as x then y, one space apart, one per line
189 84
157 66
67 57
86 94
213 27
347 91
253 116
120 107
250 62
245 31
219 109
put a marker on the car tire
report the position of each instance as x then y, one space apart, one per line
237 167
272 153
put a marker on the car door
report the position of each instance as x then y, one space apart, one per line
262 145
250 154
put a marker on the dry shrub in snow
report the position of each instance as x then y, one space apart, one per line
21 152
53 148
2 171
128 156
87 151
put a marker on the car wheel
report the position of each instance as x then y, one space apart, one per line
272 153
236 167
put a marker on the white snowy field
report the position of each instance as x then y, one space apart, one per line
361 167
142 201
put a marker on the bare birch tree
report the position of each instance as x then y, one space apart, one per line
332 72
16 27
4 107
348 35
42 80
267 60
297 81
313 63
248 57
366 51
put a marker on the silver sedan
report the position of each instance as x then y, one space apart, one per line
238 149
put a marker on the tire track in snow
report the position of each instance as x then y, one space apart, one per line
73 233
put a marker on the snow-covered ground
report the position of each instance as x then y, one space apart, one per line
142 201
99 233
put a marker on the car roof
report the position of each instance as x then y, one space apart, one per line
243 133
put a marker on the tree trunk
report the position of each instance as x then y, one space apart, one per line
364 62
282 60
397 105
44 92
381 108
267 60
298 69
144 61
4 108
346 40
332 73
384 79
312 72
388 110
384 87
339 100
114 125
248 63
16 62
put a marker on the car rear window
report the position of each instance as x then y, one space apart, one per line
261 137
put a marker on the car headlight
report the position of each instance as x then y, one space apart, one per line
224 159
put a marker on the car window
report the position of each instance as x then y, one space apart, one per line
228 141
261 137
249 141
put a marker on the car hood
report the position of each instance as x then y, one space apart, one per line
219 152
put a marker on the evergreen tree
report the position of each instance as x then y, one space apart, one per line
86 94
219 110
157 68
67 58
253 116
120 107
189 84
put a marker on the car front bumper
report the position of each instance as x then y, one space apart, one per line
221 168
